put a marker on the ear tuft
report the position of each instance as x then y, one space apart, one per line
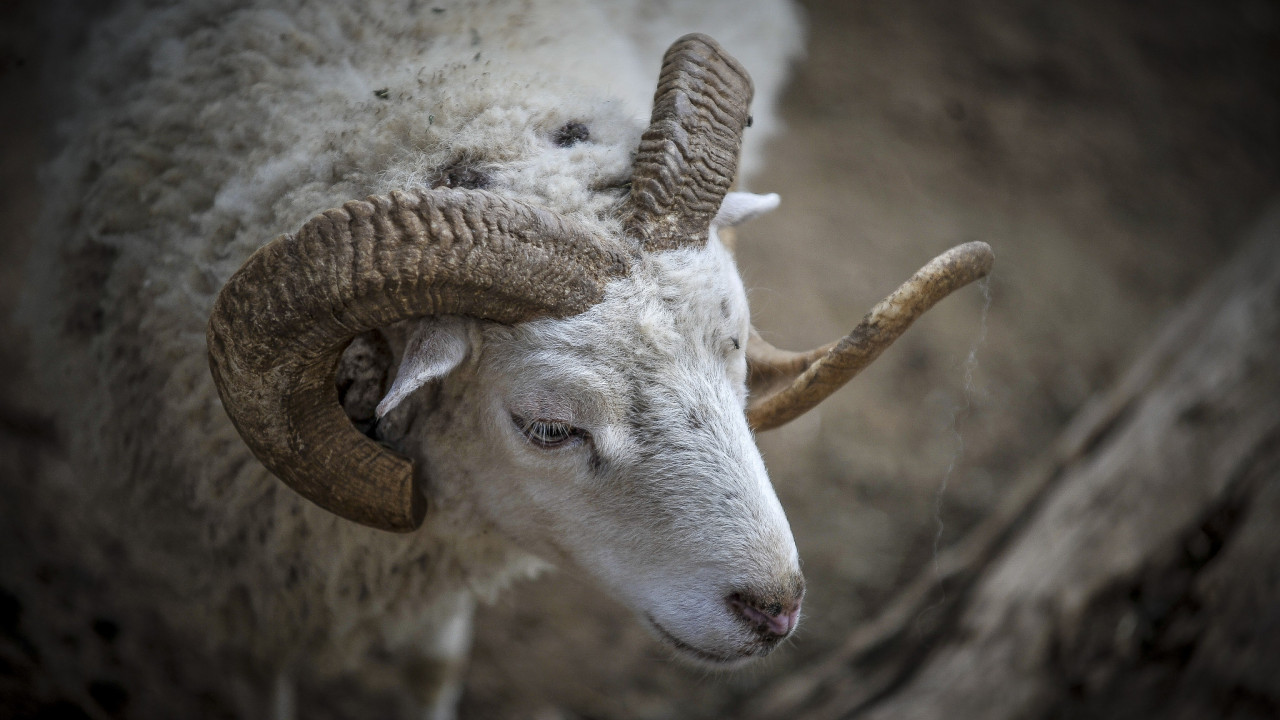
435 347
739 207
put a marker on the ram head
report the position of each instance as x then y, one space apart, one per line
594 394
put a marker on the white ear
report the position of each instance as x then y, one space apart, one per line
739 207
435 348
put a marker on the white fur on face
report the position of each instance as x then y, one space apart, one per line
663 497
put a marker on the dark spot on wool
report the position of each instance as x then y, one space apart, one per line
571 134
463 177
750 120
438 11
382 93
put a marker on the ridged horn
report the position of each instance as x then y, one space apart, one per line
689 154
280 324
785 385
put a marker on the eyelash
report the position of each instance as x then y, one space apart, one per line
548 434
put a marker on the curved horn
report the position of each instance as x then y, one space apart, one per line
689 154
807 378
280 323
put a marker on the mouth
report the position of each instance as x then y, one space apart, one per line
697 653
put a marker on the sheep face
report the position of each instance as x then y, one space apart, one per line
615 442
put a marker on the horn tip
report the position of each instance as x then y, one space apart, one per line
979 256
412 514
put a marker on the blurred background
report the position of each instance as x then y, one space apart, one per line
1111 153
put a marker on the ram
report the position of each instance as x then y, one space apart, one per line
515 337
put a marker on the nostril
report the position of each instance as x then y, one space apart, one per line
772 618
785 622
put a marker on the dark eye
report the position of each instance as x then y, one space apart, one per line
547 433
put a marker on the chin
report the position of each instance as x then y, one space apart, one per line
706 658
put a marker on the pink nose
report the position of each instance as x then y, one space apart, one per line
772 618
